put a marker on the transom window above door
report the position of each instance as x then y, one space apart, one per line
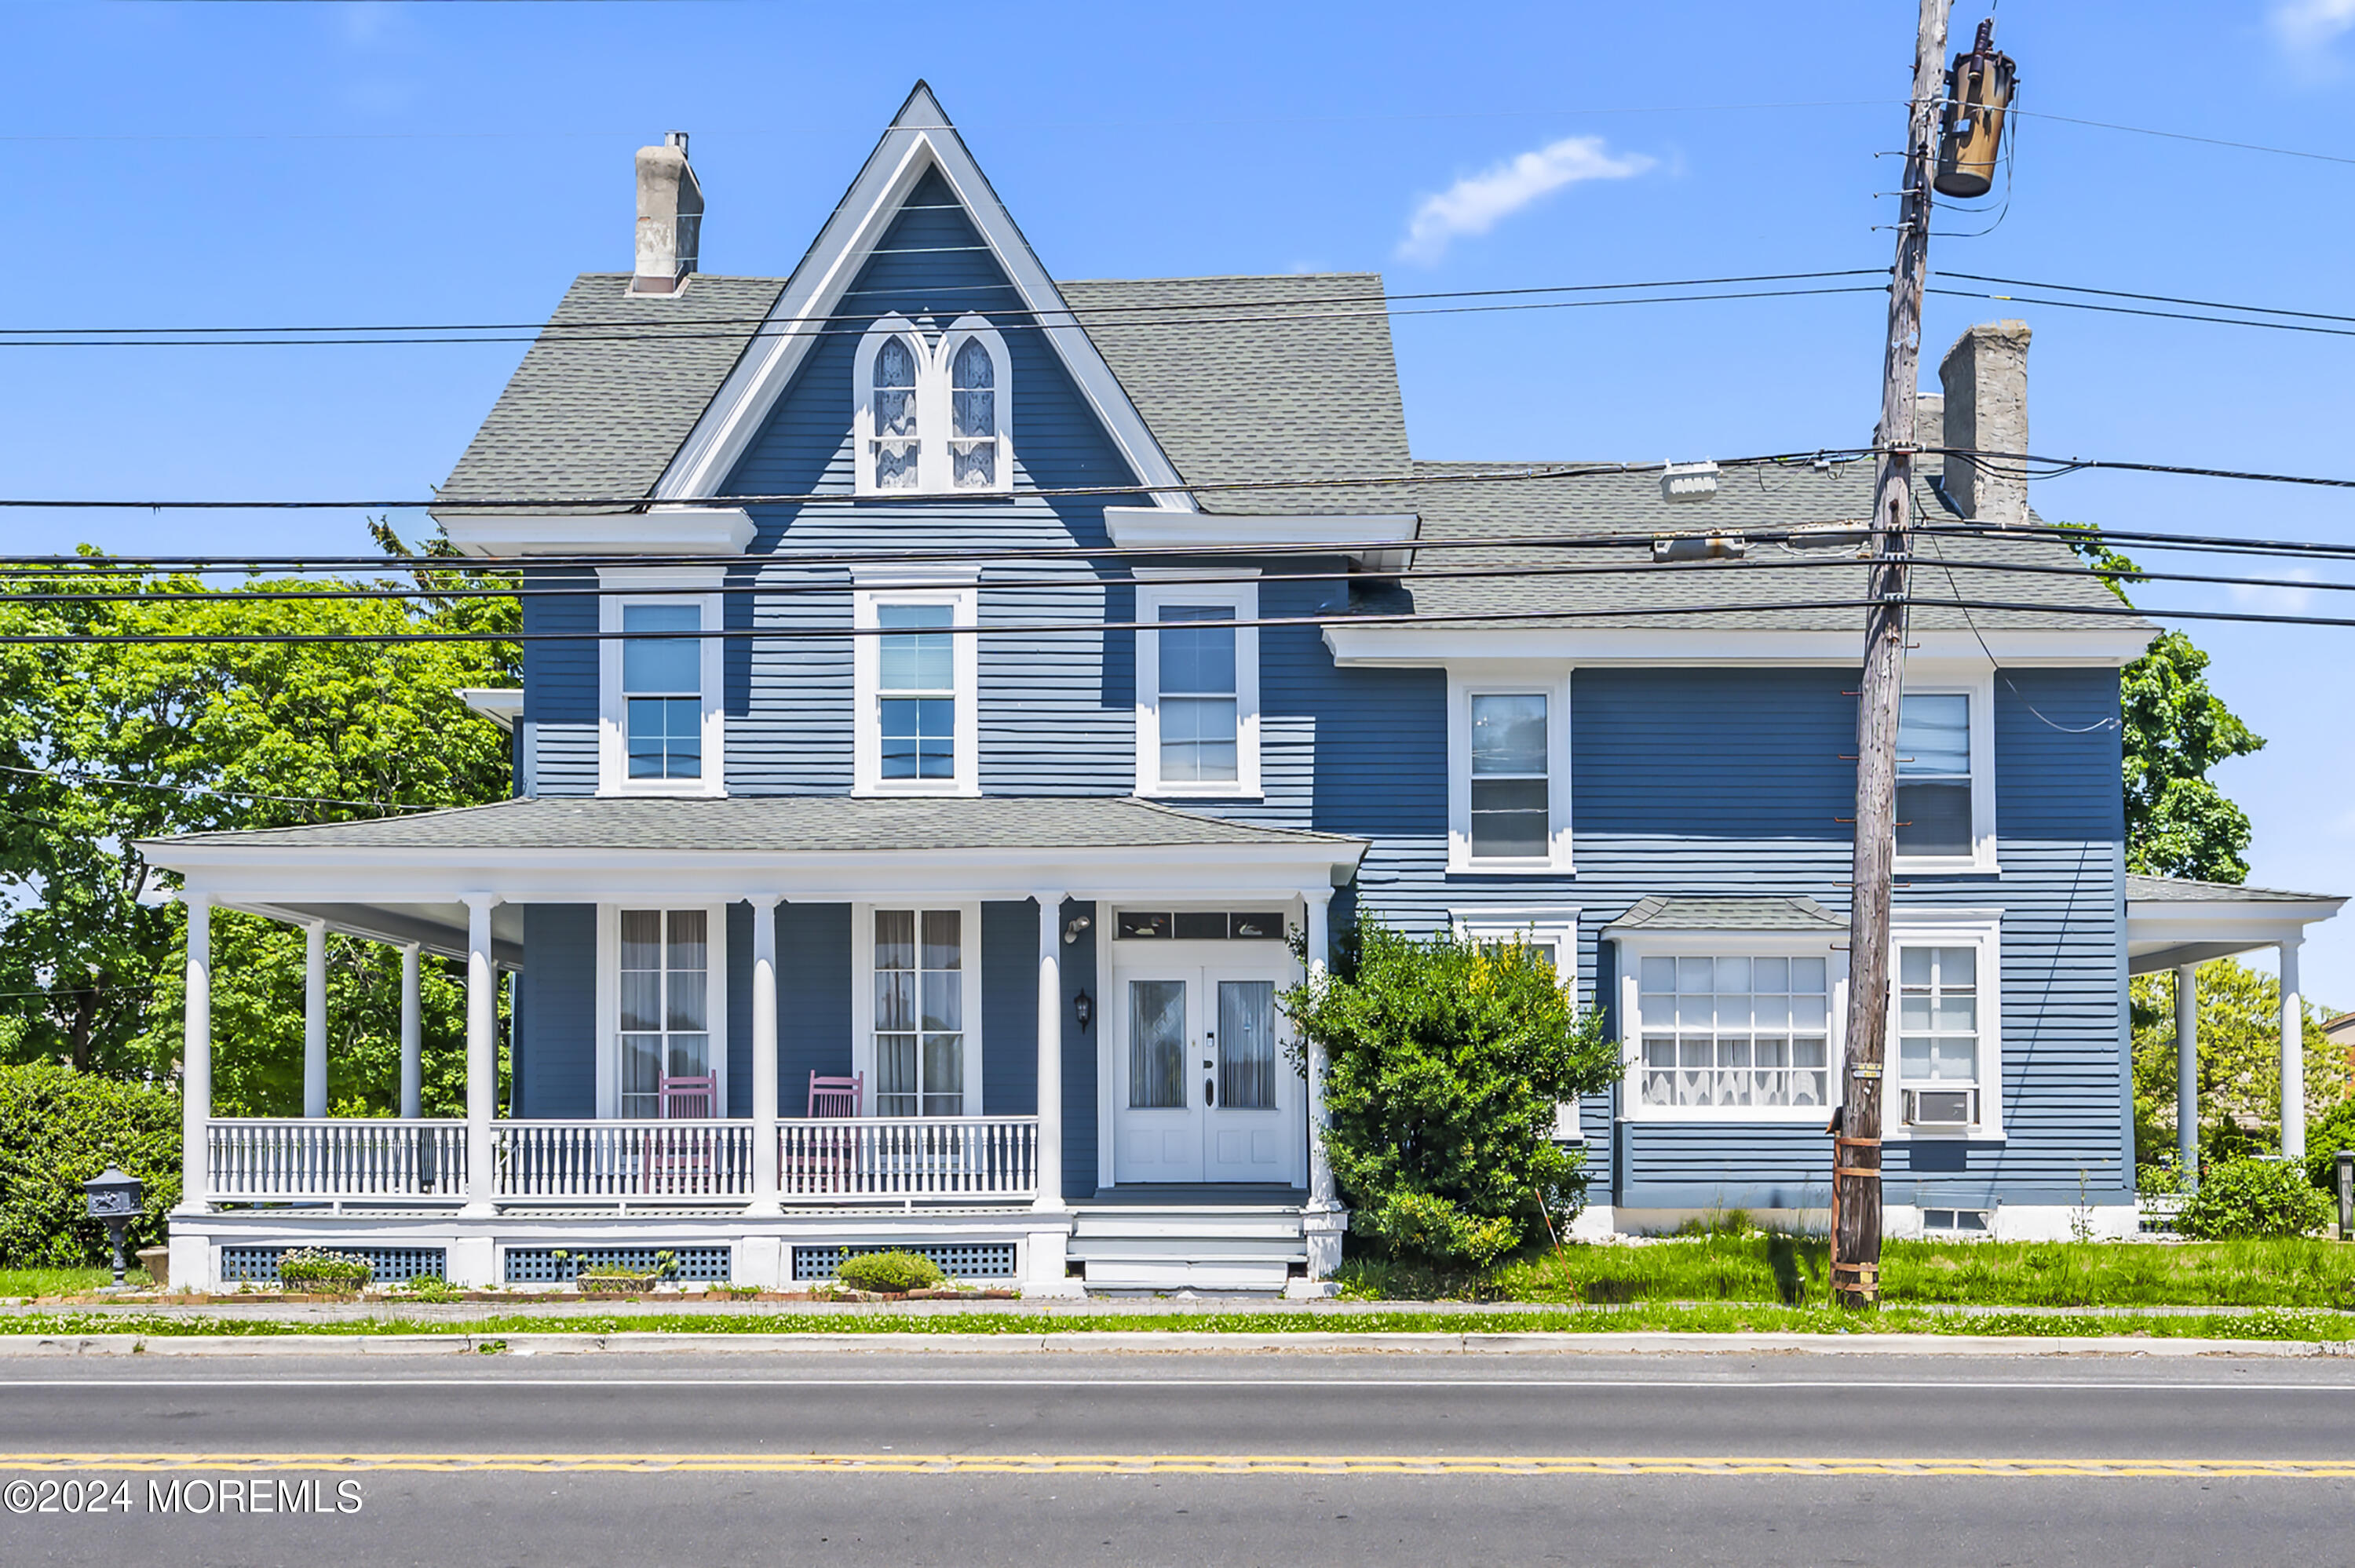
932 408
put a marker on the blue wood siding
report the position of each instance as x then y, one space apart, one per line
556 1051
813 979
560 687
1009 1010
1079 969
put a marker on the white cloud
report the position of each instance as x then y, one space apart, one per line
2305 29
1478 202
2278 600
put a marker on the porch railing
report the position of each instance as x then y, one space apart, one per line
250 1159
870 1157
662 1160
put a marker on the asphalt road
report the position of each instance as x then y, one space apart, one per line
909 1457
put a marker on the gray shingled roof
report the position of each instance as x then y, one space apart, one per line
2184 890
759 824
1271 378
600 409
1662 913
1786 496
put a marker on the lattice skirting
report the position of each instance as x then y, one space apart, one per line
958 1260
541 1265
392 1265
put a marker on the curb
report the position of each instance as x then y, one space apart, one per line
1154 1341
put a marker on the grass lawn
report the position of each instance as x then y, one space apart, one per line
53 1281
1790 1271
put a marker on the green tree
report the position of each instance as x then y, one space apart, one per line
2179 824
1446 1060
106 743
2240 1063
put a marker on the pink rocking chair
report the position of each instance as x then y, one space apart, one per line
822 1162
683 1162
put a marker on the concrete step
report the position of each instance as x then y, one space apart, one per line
1185 1224
1173 1275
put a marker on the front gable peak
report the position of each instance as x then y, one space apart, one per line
921 149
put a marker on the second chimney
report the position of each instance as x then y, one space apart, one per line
670 217
1986 378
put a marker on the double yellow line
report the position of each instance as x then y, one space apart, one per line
1186 1464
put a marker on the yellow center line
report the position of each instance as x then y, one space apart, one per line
1189 1464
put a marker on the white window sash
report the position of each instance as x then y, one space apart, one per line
608 1000
1932 927
934 402
1633 948
862 997
866 669
1508 678
1241 596
1978 685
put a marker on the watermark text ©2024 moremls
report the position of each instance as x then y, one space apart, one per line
303 1496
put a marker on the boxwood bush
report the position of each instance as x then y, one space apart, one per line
2253 1198
892 1273
57 1129
1446 1059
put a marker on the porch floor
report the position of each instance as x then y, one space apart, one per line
1201 1194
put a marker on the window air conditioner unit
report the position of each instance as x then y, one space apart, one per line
1941 1107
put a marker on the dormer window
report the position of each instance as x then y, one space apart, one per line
917 384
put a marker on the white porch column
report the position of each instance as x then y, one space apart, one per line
1322 1223
1050 1053
412 1036
314 1019
2187 1073
482 1052
2292 1054
764 1053
196 1059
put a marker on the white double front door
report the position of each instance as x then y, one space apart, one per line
1201 1088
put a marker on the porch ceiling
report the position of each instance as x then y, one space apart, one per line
2172 921
440 928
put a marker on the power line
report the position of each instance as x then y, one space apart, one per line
2181 136
2160 298
2143 311
62 776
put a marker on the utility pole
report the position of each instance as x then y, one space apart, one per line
1856 1144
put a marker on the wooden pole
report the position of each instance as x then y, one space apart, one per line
1856 1147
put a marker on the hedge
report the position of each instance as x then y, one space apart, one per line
57 1129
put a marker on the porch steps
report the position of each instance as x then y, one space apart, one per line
1133 1247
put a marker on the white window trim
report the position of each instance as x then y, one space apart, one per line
1636 946
1927 927
862 995
1978 685
866 678
613 726
934 473
1547 676
609 1000
1555 923
1241 596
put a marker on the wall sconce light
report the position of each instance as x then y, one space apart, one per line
1083 1007
1073 927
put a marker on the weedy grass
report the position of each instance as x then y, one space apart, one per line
1720 1317
53 1281
1770 1268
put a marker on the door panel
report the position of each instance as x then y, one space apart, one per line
1158 1134
1198 1083
1247 1114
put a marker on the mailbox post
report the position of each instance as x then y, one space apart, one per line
112 1199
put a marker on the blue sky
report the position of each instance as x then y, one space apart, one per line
186 165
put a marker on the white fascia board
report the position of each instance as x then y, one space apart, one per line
661 530
2154 924
503 706
920 139
1382 537
291 875
1421 647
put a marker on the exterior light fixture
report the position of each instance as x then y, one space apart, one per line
112 1198
1083 1007
1073 927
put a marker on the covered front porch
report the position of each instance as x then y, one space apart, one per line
797 920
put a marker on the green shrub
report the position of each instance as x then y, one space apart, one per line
892 1273
1446 1059
309 1268
425 1288
2324 1139
2253 1198
57 1129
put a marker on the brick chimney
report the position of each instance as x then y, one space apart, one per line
670 217
1986 378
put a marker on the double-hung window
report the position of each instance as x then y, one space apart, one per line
1549 936
1944 1035
665 997
915 674
921 967
659 671
1946 778
1508 765
1198 686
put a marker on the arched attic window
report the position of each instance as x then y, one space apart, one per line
980 401
932 408
894 446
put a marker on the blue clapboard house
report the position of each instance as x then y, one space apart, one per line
949 689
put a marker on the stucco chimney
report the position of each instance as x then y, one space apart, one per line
1986 378
670 217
